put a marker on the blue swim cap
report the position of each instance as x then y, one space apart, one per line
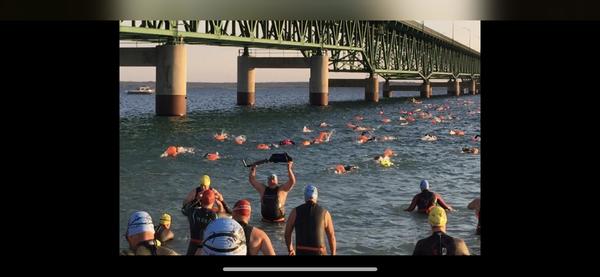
311 192
424 185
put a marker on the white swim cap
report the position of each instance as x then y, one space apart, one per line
224 237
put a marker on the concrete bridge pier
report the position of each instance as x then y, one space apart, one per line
245 81
472 87
372 89
426 89
319 80
171 80
453 87
387 92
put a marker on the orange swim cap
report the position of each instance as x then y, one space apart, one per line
219 137
340 169
388 153
172 151
212 156
263 146
306 143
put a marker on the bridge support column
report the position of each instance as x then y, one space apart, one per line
387 92
171 80
426 89
453 88
372 89
319 80
472 87
245 82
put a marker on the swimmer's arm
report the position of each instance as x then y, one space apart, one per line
442 203
288 232
224 207
190 196
292 179
474 205
413 205
170 235
329 230
266 247
461 248
252 178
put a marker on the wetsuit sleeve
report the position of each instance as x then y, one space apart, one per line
441 202
413 205
417 251
226 208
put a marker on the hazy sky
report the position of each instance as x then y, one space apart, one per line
219 63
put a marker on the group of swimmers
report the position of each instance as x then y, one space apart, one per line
216 229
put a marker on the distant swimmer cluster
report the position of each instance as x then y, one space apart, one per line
217 229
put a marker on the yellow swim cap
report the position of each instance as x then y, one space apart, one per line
437 216
205 181
165 218
385 162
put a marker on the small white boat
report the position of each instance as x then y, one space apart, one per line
141 90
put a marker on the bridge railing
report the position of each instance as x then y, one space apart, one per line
388 48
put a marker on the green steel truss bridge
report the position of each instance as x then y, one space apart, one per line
393 50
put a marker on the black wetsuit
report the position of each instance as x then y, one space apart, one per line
248 232
150 247
425 200
270 207
438 244
198 218
310 229
161 232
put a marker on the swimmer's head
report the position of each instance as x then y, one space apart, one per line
172 151
424 185
437 217
205 181
242 208
272 180
165 219
311 193
139 222
339 169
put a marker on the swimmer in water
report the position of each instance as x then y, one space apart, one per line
364 138
476 138
212 156
323 125
173 151
471 150
306 130
323 137
343 169
221 136
457 133
287 142
241 139
429 137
